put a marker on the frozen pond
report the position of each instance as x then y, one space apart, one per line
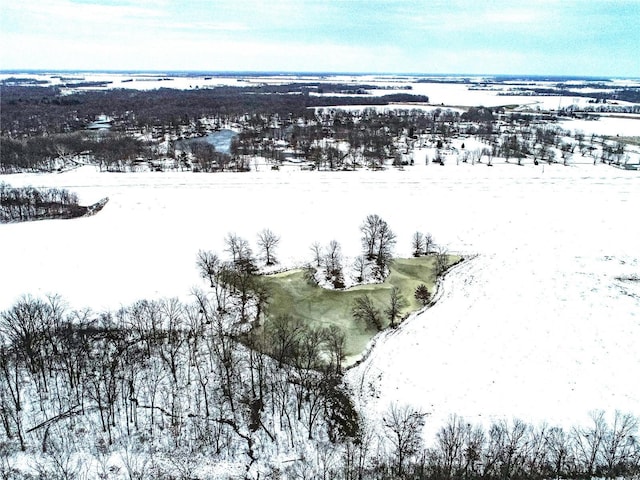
220 139
541 325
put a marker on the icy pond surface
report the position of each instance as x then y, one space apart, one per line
543 324
220 139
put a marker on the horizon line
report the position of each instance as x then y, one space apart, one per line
308 73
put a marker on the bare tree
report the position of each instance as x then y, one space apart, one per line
377 237
11 401
559 447
618 443
364 310
335 341
316 248
441 261
208 264
450 443
589 441
417 244
514 452
333 264
360 266
268 241
241 277
396 304
403 427
283 333
237 247
370 235
386 241
429 243
59 462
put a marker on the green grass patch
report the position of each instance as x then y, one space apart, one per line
291 293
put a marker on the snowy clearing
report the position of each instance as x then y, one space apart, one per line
538 326
605 125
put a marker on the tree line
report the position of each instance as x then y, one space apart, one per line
34 110
166 379
110 152
605 446
325 138
164 387
31 203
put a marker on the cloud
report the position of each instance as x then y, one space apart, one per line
355 35
514 17
205 27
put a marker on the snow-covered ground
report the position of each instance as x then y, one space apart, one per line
539 325
627 126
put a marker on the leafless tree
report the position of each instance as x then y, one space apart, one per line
316 248
370 235
441 261
589 441
559 449
618 443
333 264
59 462
208 265
335 341
396 304
11 398
403 427
364 310
360 266
283 332
429 243
450 443
417 244
386 241
268 241
237 247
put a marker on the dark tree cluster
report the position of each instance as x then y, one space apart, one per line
110 151
519 450
422 294
30 203
35 110
169 381
422 244
205 158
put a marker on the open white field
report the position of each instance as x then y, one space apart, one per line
537 326
624 126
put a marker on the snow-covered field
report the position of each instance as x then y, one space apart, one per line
628 126
537 326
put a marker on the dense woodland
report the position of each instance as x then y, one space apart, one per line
43 130
30 110
164 389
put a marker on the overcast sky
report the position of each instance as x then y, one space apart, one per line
545 37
